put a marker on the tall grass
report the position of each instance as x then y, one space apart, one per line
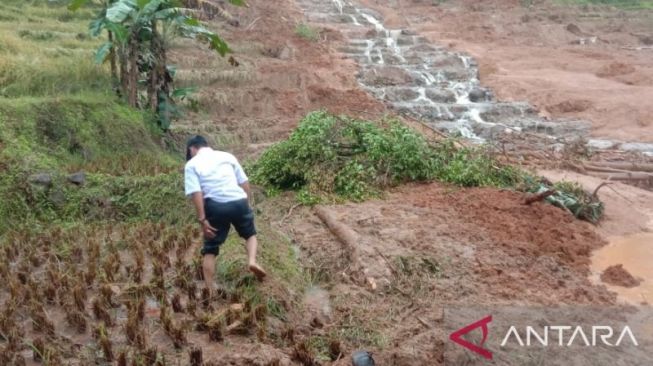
45 50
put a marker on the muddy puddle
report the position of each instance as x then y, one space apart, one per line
635 253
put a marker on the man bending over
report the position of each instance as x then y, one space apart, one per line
220 191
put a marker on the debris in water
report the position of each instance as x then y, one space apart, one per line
618 276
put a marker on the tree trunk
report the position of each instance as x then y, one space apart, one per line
133 70
112 62
643 167
153 80
124 75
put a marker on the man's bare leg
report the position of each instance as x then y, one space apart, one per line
208 268
252 245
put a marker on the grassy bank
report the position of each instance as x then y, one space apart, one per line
69 233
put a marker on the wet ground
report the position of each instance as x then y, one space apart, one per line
422 79
634 253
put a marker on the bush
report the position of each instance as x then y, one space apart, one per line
342 158
307 32
354 159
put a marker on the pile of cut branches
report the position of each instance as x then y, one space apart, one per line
335 157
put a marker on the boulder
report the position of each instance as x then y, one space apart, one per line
78 178
41 179
362 358
478 95
385 76
57 198
401 94
440 95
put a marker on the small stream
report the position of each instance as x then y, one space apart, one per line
436 85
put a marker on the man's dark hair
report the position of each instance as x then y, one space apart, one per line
196 141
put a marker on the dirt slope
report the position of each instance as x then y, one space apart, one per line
423 247
437 247
280 78
589 62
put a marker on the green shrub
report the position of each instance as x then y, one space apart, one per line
356 159
342 158
307 32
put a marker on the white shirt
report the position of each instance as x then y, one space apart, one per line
217 174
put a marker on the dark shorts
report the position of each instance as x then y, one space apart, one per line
222 215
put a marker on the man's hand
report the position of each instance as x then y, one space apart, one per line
208 230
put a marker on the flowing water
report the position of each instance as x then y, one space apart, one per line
436 85
635 253
440 87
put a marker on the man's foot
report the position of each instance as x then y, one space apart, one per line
257 271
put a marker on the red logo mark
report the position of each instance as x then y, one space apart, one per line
457 337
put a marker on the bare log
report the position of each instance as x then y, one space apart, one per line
634 176
596 191
344 233
642 167
612 170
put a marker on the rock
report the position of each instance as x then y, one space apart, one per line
617 275
478 95
78 178
441 96
574 29
601 144
385 76
404 41
401 94
646 40
456 74
42 179
57 198
286 53
362 358
637 146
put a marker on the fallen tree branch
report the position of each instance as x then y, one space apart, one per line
392 268
342 232
642 167
289 212
596 191
634 176
424 323
539 197
611 170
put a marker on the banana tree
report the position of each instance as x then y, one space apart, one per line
137 33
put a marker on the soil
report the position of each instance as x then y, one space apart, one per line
588 62
280 78
421 248
616 275
429 247
383 286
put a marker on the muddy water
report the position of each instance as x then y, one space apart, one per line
441 87
635 253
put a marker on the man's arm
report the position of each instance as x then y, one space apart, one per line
247 189
194 190
198 202
242 179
